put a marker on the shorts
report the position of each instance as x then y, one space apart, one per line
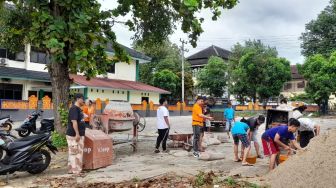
269 147
243 138
254 137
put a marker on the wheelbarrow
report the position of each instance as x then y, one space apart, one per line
184 139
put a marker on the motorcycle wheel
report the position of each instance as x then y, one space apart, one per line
45 158
24 133
1 153
6 126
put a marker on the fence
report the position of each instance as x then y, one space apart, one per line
99 104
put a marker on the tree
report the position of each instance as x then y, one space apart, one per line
165 79
213 76
320 74
166 56
319 36
74 33
154 21
255 69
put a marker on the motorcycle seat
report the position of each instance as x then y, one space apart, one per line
1 118
23 142
48 120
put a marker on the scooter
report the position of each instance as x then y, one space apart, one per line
5 138
29 125
27 155
6 123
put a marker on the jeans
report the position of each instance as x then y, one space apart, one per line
163 136
197 135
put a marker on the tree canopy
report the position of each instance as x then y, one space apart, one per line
320 72
255 69
319 36
74 33
213 77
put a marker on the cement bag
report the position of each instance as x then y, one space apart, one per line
179 153
204 156
209 156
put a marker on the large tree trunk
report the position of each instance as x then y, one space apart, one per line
60 81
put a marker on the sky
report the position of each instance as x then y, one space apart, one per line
278 23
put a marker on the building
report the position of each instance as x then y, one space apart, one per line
200 59
296 85
24 74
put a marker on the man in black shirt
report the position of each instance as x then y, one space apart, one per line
75 135
254 123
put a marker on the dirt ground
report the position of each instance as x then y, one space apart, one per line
144 164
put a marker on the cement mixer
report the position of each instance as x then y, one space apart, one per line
119 116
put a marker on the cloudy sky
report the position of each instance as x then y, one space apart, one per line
278 23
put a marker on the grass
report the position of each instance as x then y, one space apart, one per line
58 140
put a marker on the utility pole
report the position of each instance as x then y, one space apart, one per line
182 54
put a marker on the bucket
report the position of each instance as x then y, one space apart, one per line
282 158
251 159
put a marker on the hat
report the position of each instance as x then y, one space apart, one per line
78 95
297 114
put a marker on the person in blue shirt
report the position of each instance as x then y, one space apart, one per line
239 131
229 115
271 140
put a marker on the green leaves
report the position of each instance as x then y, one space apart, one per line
255 70
55 46
154 21
213 77
320 73
319 36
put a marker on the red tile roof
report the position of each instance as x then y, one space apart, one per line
116 84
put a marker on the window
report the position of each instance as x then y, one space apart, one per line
3 53
288 86
301 84
122 92
30 93
39 57
111 69
10 91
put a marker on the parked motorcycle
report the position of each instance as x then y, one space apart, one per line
6 123
29 125
5 138
27 154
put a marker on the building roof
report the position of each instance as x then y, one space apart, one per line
17 73
295 73
130 51
116 84
201 57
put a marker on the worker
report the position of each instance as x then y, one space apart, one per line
197 124
308 128
229 116
88 110
240 130
163 125
271 140
254 123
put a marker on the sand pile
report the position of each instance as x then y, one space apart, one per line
315 167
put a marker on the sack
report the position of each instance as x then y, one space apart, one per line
73 149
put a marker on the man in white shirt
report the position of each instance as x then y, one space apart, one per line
163 125
307 130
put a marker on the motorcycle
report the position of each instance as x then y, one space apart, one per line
29 125
6 123
27 154
5 138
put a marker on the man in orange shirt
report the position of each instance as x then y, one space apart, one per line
197 123
88 111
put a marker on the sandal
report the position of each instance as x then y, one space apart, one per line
237 160
247 164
